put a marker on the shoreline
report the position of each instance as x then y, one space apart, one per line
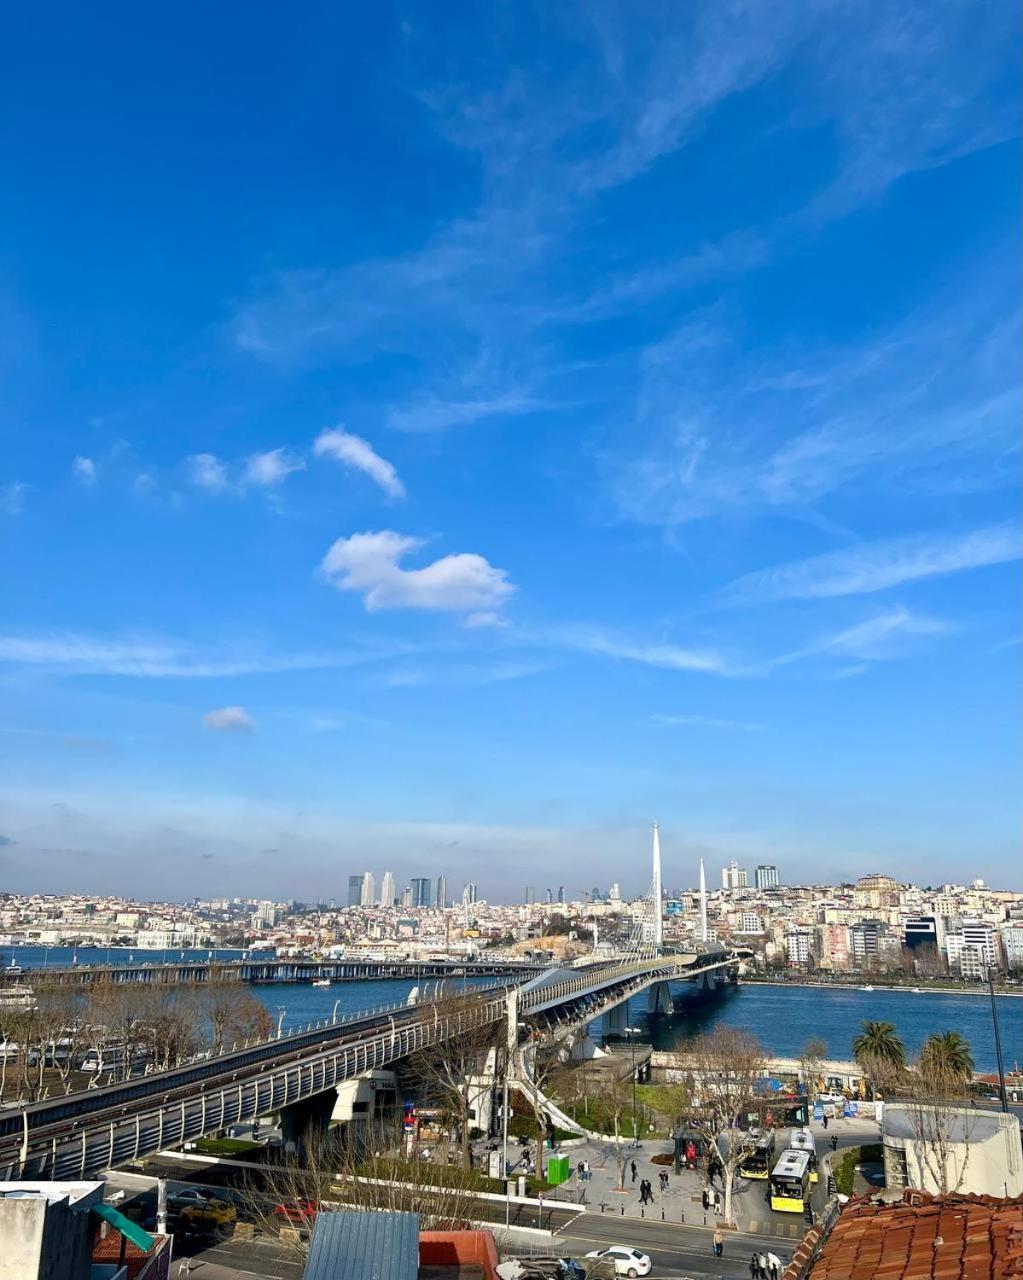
980 993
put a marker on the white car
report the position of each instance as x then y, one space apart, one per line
187 1196
628 1262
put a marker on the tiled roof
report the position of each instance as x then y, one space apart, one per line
920 1237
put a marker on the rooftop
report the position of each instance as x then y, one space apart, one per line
952 1237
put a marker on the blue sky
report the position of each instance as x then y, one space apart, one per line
449 439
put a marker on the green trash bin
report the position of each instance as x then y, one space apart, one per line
557 1170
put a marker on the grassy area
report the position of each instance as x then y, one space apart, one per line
845 1168
524 1126
598 1117
225 1146
443 1175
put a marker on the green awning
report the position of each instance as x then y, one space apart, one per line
131 1230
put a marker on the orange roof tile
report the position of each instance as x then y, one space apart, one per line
921 1237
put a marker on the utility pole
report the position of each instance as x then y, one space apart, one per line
998 1039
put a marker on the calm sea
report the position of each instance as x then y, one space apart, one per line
782 1018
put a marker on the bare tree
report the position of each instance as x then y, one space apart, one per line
449 1072
811 1066
942 1124
62 1028
722 1071
329 1175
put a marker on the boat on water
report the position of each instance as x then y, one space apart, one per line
916 991
321 982
867 988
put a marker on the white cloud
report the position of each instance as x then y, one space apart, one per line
669 657
353 451
84 469
12 498
171 659
206 471
268 470
229 720
875 566
706 722
369 563
435 414
877 639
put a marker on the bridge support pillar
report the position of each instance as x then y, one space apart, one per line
659 999
617 1019
305 1123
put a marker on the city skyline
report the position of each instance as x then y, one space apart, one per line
494 437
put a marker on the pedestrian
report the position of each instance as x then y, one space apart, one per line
773 1266
579 1171
719 1244
824 1120
634 1171
762 1261
586 1170
706 1199
717 1200
834 1142
664 1180
754 1267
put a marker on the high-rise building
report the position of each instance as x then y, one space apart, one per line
530 895
366 900
355 891
615 893
766 877
733 876
387 890
469 893
549 896
420 891
561 893
442 892
406 897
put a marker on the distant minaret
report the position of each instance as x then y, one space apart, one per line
658 928
703 903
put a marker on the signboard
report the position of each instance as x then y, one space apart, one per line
818 1110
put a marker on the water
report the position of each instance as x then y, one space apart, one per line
783 1019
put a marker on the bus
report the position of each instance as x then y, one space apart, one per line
756 1163
803 1140
790 1182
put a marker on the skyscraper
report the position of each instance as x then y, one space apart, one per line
733 876
366 900
469 892
765 877
530 895
442 892
561 893
549 895
355 891
420 892
387 890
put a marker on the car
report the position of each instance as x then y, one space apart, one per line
187 1197
297 1211
213 1213
628 1262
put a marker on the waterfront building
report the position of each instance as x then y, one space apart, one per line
833 946
865 942
1012 945
765 877
420 892
972 947
923 931
355 891
733 876
387 890
799 946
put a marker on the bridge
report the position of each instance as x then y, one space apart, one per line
78 1135
260 970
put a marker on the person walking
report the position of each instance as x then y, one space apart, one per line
664 1179
719 1243
634 1171
774 1265
754 1267
824 1120
762 1263
834 1142
706 1199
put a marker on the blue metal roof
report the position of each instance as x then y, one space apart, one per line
363 1246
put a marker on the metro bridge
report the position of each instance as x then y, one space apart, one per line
296 1074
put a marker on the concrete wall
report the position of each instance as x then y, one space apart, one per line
991 1164
44 1240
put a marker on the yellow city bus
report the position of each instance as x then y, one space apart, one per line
790 1182
756 1163
803 1140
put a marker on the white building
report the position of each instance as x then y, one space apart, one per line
366 898
733 876
766 877
749 922
1012 945
972 947
943 1149
799 945
387 890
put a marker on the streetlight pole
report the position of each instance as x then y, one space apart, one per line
632 1032
998 1039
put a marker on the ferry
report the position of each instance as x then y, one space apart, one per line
321 982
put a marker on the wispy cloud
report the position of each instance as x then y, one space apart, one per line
229 720
706 722
206 471
84 470
158 659
354 452
269 470
12 498
369 563
437 415
877 566
882 637
584 638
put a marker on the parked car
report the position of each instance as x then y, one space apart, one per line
298 1212
187 1197
212 1213
628 1262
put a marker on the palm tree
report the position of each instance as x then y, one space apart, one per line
879 1050
946 1059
